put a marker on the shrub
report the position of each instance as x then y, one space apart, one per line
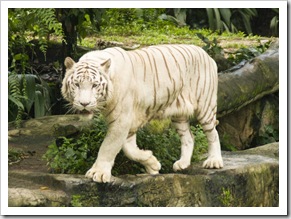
77 155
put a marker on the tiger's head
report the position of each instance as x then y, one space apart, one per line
86 84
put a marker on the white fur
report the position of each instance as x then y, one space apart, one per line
141 87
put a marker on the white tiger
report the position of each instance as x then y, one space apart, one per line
132 87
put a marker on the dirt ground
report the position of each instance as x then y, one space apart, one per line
31 149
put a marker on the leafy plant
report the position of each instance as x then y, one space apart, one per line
211 47
76 155
274 23
45 22
217 19
244 54
241 55
24 23
230 19
216 52
177 16
28 95
243 16
15 104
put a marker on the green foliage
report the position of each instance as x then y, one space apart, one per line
24 23
15 97
178 18
244 15
85 199
231 20
28 95
69 157
165 146
226 198
211 47
44 22
270 134
201 143
132 21
77 201
274 23
243 54
76 155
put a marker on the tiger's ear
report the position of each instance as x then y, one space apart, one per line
106 65
69 63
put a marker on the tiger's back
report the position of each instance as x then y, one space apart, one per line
181 78
167 80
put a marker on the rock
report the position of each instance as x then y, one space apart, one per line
254 124
37 197
47 125
249 178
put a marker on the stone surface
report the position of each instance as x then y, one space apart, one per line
254 124
249 178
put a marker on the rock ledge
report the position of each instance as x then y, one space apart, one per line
250 178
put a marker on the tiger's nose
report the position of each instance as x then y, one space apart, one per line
84 104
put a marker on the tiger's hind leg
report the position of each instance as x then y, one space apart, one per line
145 157
214 159
187 143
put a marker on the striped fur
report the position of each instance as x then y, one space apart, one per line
131 88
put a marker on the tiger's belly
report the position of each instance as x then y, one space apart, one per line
179 107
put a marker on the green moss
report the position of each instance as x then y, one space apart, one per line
84 200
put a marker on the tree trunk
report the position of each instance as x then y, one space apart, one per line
257 78
248 103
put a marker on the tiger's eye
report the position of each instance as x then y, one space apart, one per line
94 85
77 85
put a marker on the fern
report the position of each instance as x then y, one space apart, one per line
46 22
15 97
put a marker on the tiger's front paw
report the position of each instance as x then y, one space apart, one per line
101 175
180 165
213 162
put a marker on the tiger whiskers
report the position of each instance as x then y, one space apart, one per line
101 104
71 110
